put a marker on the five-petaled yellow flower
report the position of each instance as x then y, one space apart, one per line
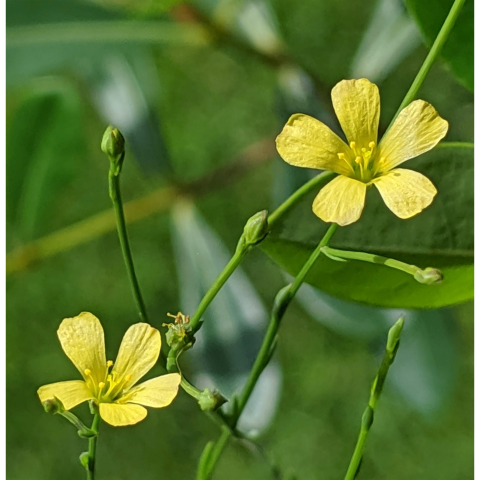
307 142
112 386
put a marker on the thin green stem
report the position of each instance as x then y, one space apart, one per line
456 145
281 303
432 55
92 447
334 254
116 197
393 343
216 453
217 285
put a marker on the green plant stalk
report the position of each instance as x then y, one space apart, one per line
116 197
371 258
393 343
432 55
92 447
281 303
242 249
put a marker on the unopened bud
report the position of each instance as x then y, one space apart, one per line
113 143
394 335
84 459
210 401
256 228
53 405
429 276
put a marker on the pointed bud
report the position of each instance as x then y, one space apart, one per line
84 459
210 401
394 335
429 276
256 228
53 406
113 143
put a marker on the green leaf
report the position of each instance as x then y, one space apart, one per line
44 151
441 236
458 50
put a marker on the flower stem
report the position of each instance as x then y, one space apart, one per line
281 303
116 197
92 448
432 55
368 415
243 249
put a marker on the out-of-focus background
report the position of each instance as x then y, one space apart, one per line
200 90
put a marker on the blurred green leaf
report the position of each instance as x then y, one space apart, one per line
458 50
441 236
44 151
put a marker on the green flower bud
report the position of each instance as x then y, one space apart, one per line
429 276
210 401
256 228
394 335
84 459
53 406
113 143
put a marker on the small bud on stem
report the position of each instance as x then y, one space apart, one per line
429 276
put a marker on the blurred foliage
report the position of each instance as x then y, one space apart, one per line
191 100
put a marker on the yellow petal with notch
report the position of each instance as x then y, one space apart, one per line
417 129
70 393
122 415
405 192
307 142
83 342
340 201
158 392
138 352
357 105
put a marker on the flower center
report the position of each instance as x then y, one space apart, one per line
111 388
362 161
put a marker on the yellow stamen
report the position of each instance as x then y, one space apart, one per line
101 385
109 363
128 377
341 156
382 160
358 160
87 372
353 145
371 145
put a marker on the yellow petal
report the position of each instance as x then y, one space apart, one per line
157 392
417 129
70 393
307 142
122 415
357 105
138 352
83 342
341 201
405 192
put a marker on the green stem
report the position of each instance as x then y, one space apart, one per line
115 195
333 253
432 55
242 249
231 266
376 390
92 448
281 303
456 145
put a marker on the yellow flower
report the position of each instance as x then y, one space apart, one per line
112 386
307 142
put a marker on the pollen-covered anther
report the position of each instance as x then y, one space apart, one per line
87 372
341 156
353 145
371 145
109 363
358 160
101 385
